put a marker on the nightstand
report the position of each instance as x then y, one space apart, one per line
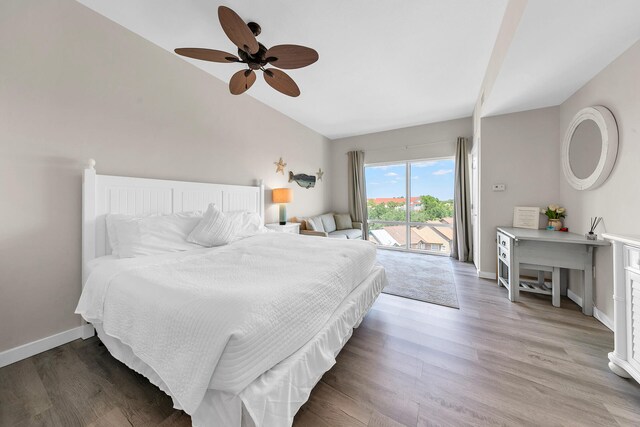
290 227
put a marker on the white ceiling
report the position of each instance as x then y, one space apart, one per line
389 64
383 64
558 47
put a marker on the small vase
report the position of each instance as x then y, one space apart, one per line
555 223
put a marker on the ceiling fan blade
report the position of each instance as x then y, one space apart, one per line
207 54
289 56
241 81
237 31
281 82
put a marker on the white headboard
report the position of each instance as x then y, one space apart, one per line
104 194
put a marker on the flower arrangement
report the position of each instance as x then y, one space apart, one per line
553 212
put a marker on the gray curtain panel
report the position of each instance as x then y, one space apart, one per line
357 191
462 238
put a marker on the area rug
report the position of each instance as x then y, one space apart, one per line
422 277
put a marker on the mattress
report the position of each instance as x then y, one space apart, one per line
219 319
273 399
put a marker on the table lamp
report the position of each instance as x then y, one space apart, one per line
282 196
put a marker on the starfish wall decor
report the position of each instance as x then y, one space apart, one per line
319 174
280 165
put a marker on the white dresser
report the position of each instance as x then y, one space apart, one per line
625 358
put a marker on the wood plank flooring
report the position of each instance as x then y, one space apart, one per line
409 364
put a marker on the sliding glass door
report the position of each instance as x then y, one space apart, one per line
410 205
386 204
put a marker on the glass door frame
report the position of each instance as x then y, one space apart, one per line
407 222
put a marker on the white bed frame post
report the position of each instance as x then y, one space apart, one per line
88 229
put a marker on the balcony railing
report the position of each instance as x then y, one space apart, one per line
432 237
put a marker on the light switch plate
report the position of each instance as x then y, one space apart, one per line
499 187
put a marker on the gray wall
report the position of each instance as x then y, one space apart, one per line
74 85
618 200
521 151
434 140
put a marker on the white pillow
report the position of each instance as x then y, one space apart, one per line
214 229
315 223
247 224
153 234
111 222
328 222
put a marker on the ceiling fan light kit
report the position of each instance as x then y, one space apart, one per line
255 55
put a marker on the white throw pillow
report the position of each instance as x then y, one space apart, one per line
315 223
305 221
154 234
328 222
214 229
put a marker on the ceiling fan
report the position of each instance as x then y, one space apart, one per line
255 55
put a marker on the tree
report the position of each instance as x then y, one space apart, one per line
391 211
434 208
431 209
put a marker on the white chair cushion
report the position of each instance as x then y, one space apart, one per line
353 233
337 236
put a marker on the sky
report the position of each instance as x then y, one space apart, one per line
434 177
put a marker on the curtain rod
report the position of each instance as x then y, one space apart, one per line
407 147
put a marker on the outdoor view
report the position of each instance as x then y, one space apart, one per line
425 222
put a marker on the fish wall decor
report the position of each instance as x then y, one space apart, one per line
303 180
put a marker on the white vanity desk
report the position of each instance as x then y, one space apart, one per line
543 249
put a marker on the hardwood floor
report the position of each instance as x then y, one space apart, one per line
409 364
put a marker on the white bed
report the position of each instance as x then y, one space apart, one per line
236 335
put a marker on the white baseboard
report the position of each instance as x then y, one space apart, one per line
602 318
16 354
599 315
486 275
574 297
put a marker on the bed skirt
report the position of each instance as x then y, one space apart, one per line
272 399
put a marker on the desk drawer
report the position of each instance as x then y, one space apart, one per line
503 254
504 242
632 258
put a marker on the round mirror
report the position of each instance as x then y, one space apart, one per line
590 148
585 148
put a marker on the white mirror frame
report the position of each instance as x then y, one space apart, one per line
609 132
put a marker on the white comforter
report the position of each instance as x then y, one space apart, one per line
220 318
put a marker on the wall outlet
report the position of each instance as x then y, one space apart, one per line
499 187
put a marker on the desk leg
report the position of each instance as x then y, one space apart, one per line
555 287
514 275
587 300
